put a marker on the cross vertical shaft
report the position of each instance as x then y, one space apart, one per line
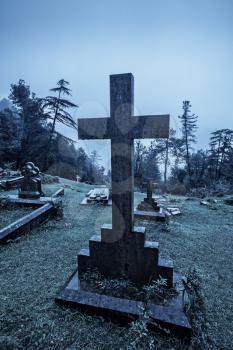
122 153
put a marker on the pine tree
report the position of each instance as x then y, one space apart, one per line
221 143
34 135
57 111
189 127
57 106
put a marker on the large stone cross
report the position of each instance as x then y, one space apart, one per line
115 252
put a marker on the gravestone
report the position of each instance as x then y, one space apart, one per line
149 203
121 250
31 183
98 195
148 209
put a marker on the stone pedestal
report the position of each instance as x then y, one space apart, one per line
148 204
29 189
31 184
141 265
169 316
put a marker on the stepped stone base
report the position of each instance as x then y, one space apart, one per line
29 194
169 316
148 204
161 215
142 264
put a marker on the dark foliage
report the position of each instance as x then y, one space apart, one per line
27 134
188 129
146 163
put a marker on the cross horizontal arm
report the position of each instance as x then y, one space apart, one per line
151 184
93 128
144 127
151 127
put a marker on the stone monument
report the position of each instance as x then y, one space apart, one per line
149 203
148 209
31 184
121 250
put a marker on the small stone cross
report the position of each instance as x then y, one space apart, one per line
149 185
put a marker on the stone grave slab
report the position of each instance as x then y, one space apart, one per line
60 192
121 250
15 199
160 215
174 211
46 209
11 183
98 195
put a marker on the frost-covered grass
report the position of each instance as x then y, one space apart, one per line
9 214
34 268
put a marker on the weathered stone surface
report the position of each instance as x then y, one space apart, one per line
151 215
29 202
174 211
142 260
59 192
31 183
11 183
86 202
98 194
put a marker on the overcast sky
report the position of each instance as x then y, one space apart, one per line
176 49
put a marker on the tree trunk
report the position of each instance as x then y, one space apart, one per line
166 163
46 165
187 148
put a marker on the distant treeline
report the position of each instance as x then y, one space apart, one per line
27 133
185 168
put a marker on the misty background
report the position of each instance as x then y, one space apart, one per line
176 49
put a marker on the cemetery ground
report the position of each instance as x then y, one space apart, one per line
8 214
34 268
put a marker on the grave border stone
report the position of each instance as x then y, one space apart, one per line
11 183
27 222
46 208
